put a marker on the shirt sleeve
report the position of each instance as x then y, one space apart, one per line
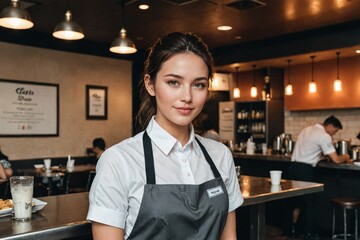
326 145
232 185
108 195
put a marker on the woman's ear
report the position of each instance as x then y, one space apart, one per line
149 84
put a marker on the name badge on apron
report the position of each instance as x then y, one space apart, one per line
213 192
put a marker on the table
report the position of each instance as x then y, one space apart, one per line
64 215
258 190
54 176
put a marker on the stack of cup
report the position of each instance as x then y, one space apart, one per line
250 147
47 163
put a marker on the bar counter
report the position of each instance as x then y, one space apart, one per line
63 217
285 158
340 180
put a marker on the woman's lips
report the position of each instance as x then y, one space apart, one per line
184 110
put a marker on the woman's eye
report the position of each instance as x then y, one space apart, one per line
200 85
173 83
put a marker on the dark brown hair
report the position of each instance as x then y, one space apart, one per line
160 52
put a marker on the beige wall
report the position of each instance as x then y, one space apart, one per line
72 72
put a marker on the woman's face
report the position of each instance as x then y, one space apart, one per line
180 89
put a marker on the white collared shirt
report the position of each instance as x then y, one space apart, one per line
312 142
118 187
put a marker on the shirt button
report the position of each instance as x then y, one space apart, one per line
184 160
188 174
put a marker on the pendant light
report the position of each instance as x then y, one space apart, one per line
289 87
337 82
253 90
122 44
312 84
68 29
236 91
14 17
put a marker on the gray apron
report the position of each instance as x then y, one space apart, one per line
180 211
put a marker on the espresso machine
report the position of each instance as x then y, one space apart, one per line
283 144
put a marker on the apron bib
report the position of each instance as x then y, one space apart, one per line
180 211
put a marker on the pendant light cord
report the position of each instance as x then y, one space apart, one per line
254 66
312 68
289 61
123 13
337 64
236 75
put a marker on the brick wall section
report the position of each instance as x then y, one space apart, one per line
350 118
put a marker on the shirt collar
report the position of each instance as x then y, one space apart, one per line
165 141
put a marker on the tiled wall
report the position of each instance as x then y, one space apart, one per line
350 119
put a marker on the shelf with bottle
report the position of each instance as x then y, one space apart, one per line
252 115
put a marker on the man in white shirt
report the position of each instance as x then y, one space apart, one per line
314 144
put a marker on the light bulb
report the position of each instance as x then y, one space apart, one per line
236 92
312 87
337 85
253 92
289 90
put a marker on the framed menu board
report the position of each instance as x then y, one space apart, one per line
28 109
96 102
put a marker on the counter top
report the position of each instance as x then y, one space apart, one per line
322 164
63 217
275 157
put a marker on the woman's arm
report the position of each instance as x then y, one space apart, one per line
105 232
2 173
229 232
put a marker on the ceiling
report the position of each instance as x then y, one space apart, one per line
251 20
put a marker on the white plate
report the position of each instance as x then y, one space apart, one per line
357 163
5 211
38 205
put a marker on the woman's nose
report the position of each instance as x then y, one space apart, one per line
185 93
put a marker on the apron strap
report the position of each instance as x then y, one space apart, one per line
149 159
209 160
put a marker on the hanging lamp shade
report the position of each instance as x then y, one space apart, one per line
312 84
289 87
253 90
236 90
122 44
337 82
68 29
14 17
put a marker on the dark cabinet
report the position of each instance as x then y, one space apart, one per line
261 120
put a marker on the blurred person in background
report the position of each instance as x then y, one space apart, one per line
209 130
5 167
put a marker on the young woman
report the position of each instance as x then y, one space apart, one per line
166 182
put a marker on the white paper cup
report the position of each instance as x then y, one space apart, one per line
275 188
22 188
264 148
275 177
47 163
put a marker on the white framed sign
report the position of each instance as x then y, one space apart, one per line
28 109
96 102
